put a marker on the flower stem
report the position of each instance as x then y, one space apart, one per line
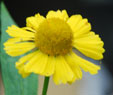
45 87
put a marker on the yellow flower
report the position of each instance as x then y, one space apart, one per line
51 40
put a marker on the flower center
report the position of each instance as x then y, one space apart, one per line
54 37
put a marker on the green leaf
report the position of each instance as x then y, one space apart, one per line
14 84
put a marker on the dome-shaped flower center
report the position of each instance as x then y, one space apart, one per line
54 37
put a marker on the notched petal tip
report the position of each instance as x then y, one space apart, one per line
90 45
34 21
61 14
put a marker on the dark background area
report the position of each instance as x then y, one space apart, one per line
98 12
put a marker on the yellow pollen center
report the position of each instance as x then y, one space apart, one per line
54 37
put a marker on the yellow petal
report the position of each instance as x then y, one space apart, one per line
22 72
29 29
15 31
63 73
58 14
34 21
87 66
79 25
21 63
15 48
39 64
75 68
90 45
12 41
50 66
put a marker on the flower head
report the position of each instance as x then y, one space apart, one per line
51 40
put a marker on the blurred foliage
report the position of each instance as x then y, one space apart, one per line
14 84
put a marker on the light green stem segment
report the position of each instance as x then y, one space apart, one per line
45 87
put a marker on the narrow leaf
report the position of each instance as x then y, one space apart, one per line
14 84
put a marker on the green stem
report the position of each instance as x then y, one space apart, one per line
45 87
